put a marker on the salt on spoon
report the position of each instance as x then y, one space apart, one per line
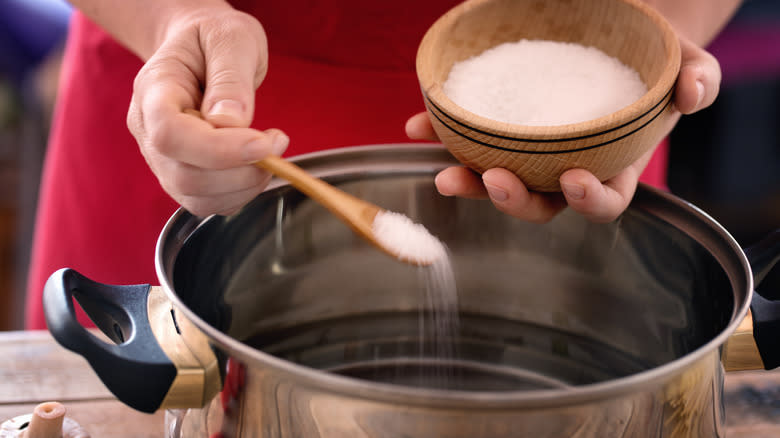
409 240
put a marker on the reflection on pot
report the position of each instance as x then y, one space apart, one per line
687 407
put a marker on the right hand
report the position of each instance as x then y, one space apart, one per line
211 60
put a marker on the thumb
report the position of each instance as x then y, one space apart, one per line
235 67
699 80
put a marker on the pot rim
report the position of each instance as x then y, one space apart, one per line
662 204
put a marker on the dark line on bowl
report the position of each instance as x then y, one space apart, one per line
549 140
521 151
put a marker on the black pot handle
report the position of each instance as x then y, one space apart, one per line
135 369
765 305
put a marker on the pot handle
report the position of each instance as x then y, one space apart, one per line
158 359
765 305
754 344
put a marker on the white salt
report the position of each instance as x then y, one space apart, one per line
440 325
410 241
538 82
439 318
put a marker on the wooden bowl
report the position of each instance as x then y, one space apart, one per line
629 30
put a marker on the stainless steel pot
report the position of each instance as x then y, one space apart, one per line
279 322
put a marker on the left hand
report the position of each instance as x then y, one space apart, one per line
697 87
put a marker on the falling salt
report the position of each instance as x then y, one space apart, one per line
538 82
440 323
439 320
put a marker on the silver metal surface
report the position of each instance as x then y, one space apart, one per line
566 329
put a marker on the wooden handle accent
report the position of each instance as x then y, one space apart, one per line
197 378
740 353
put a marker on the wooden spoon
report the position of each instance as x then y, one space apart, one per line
357 213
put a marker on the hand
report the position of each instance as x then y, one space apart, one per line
697 86
205 163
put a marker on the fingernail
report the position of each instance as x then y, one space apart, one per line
497 193
573 191
700 93
255 150
280 143
439 185
227 107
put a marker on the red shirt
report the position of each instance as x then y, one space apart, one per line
340 74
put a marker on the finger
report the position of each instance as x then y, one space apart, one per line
510 196
419 127
168 80
460 181
224 204
236 63
602 202
190 181
194 141
698 82
598 202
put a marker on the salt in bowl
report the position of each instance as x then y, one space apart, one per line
628 30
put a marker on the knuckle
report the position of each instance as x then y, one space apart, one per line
152 72
239 29
237 24
171 66
226 78
179 179
230 27
134 120
162 137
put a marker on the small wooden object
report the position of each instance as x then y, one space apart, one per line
628 30
48 420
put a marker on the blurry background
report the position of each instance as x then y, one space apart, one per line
32 33
725 159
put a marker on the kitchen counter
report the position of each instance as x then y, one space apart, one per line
35 369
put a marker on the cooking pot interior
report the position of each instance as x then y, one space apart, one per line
538 306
